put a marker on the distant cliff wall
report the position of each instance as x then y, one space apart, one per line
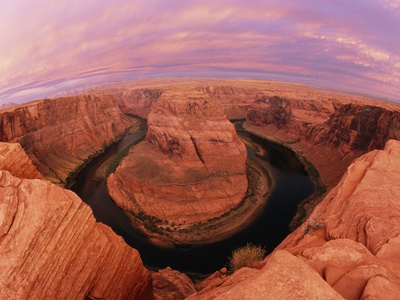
60 134
357 127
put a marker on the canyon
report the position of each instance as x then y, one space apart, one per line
51 245
345 242
190 169
59 135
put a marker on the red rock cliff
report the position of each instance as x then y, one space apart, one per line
60 134
347 249
51 247
191 167
137 101
358 127
14 160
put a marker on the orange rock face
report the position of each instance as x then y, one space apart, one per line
60 134
348 248
14 160
191 167
52 248
137 101
171 284
283 277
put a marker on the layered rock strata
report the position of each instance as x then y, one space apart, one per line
14 160
191 167
61 134
347 249
355 128
137 101
51 246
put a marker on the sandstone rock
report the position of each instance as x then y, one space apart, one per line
349 246
354 237
60 134
8 105
358 127
233 99
283 277
137 101
192 167
52 248
213 281
274 110
171 284
14 159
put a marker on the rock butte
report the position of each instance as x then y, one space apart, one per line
191 168
348 247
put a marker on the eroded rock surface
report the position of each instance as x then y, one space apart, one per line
60 134
171 284
348 248
14 160
51 246
137 101
283 277
191 167
358 127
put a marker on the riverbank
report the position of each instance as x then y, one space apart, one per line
112 163
71 178
217 229
321 163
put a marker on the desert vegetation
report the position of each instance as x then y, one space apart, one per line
246 256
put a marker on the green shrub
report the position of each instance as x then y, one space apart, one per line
246 256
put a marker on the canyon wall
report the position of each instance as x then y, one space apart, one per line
357 128
190 169
51 247
59 135
347 249
137 101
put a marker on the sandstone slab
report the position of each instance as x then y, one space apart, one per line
52 248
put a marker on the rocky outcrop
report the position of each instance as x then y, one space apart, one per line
61 134
14 160
171 284
283 277
349 247
137 101
190 169
52 248
275 110
357 128
233 99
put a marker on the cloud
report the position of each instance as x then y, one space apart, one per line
350 43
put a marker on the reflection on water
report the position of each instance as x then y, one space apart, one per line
292 185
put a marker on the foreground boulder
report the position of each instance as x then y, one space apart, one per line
51 247
190 169
348 248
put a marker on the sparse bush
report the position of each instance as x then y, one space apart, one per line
246 256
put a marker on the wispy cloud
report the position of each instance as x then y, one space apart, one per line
343 44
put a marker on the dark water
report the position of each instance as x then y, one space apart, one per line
291 186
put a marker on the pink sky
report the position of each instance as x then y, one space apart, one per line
49 46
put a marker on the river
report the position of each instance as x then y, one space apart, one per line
291 185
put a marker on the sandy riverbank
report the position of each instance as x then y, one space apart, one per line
219 228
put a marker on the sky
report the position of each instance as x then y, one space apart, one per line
49 46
